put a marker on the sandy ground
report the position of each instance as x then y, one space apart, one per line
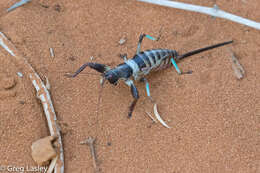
215 117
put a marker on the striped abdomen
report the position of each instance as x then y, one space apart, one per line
150 60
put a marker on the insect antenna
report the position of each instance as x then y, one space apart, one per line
69 74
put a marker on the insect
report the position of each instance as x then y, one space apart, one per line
140 65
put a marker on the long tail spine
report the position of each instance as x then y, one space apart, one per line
202 50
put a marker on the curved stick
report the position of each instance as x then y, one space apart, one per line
42 94
215 11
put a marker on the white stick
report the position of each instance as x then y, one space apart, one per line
157 115
206 10
236 66
52 52
152 118
42 93
18 4
52 165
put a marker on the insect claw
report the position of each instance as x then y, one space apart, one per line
68 75
188 72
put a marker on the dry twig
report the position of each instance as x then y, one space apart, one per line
90 142
18 4
157 115
152 118
236 66
215 11
52 52
42 93
52 165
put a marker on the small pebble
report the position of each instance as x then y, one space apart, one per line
44 6
8 82
57 7
122 41
22 102
43 150
72 58
20 74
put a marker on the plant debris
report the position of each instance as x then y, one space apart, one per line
239 71
157 115
18 4
122 41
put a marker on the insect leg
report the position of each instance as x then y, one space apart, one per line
135 95
147 88
141 39
175 66
98 67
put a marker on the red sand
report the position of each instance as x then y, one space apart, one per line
214 116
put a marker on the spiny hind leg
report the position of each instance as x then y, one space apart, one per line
147 87
141 39
177 68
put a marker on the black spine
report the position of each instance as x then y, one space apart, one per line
202 50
